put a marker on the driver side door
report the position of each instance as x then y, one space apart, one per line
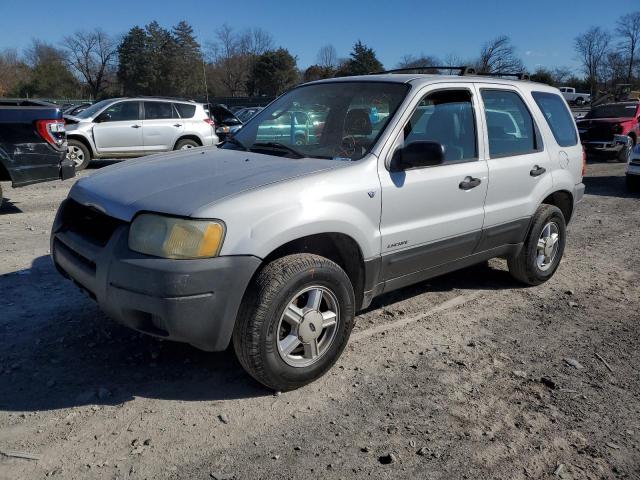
118 128
432 215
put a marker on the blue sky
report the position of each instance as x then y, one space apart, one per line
542 30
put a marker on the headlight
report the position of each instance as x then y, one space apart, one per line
171 237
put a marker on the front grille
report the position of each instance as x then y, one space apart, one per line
88 222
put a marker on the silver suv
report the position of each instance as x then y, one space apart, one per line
275 245
132 127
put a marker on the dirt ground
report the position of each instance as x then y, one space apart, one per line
443 380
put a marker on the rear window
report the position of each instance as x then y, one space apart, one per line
558 118
185 111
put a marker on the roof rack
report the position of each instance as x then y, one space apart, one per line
462 71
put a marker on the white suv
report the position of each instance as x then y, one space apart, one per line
274 244
131 127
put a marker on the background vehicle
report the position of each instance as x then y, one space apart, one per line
226 122
571 96
32 143
131 127
76 108
246 113
612 128
277 248
298 126
633 170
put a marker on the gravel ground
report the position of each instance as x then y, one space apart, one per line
465 376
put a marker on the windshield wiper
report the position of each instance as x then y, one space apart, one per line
279 146
237 142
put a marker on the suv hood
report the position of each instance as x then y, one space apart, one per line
179 183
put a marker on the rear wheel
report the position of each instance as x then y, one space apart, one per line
542 251
295 321
186 144
78 153
579 101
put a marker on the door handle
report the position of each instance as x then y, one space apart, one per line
537 171
469 182
135 126
178 125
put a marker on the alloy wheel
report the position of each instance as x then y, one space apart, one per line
548 245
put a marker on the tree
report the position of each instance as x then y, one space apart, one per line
92 56
410 61
187 65
363 61
327 57
135 69
560 75
499 55
50 77
628 29
274 72
592 48
14 73
543 75
317 72
161 49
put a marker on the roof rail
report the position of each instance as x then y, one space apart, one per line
464 70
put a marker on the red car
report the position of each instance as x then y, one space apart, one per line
611 128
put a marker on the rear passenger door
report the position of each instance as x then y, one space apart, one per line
161 126
519 165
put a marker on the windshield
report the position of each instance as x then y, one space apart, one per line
613 111
338 120
93 109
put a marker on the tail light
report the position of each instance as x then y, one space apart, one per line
210 122
52 131
584 161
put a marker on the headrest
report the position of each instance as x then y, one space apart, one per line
357 122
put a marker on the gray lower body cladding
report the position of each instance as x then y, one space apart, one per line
191 301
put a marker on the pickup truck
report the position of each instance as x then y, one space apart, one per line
571 96
33 143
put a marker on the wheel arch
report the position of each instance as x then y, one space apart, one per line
84 141
190 136
563 200
337 247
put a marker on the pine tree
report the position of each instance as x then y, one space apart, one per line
134 71
363 61
187 64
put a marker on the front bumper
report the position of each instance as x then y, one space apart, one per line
192 301
618 143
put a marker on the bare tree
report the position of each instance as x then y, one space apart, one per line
561 75
411 61
452 60
13 72
592 48
92 55
327 57
233 55
628 29
499 55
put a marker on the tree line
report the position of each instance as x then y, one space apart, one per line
153 60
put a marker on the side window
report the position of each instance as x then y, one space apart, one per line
185 111
510 127
157 110
558 118
446 117
120 112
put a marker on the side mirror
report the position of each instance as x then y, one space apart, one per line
103 117
418 154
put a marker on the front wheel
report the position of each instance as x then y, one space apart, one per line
579 101
78 153
543 247
295 321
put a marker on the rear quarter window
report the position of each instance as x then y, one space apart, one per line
185 111
558 118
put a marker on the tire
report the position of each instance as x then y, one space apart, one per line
78 153
186 144
633 183
262 328
624 155
299 140
579 101
525 266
